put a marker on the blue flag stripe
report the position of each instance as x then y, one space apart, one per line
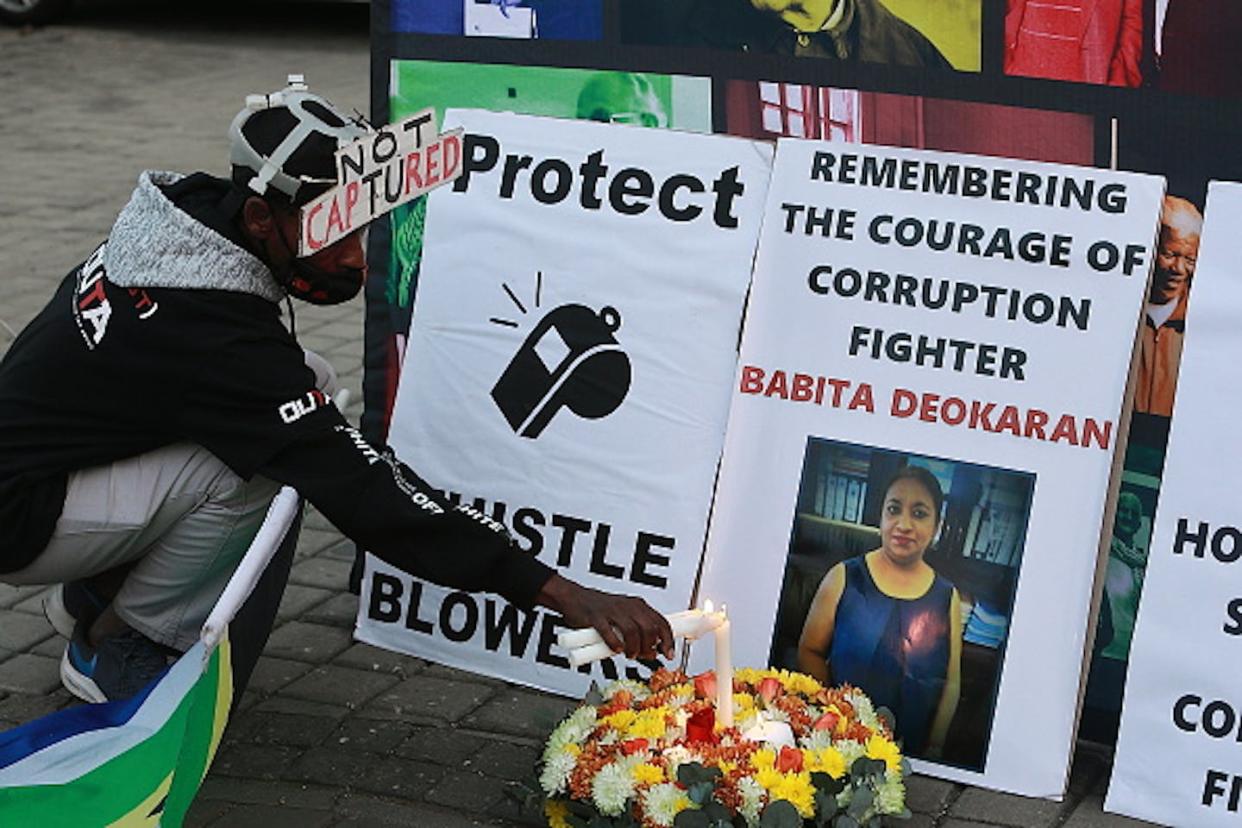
61 746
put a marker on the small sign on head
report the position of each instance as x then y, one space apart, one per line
378 173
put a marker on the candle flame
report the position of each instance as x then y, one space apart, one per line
708 606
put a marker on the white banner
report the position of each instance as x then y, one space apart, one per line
973 318
1179 751
569 364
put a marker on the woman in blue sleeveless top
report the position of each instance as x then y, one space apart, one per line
888 624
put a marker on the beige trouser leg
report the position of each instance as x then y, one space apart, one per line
178 513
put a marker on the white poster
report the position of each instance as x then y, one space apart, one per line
1179 751
569 366
922 429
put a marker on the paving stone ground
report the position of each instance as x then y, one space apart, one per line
330 732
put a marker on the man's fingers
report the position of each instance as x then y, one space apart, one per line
664 634
633 634
609 634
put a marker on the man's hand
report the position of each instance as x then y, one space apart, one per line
627 624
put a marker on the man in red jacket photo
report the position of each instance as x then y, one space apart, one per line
1089 41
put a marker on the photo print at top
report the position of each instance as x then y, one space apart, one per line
890 547
1087 41
517 19
641 99
1183 46
767 110
938 34
1196 47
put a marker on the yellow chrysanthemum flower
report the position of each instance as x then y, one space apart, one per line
800 683
763 759
743 703
726 767
573 749
769 778
621 720
879 747
828 760
798 790
556 812
648 774
648 724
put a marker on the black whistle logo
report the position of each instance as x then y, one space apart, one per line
571 359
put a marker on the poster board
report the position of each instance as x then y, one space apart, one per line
571 354
1171 106
974 317
1179 755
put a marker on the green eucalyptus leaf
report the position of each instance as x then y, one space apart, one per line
600 821
693 773
845 821
700 792
826 804
717 812
826 784
780 814
861 802
885 715
580 808
691 819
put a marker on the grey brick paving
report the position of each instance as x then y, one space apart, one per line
330 732
429 697
339 685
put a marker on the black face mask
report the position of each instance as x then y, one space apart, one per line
317 286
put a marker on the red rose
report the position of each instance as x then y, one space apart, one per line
705 685
828 721
789 760
631 746
701 726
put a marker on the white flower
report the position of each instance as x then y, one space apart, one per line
864 709
850 750
573 730
890 797
556 771
612 788
752 799
662 803
637 689
816 740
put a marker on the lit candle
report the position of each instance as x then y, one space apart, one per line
724 671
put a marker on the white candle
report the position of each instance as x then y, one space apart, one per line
686 624
586 646
724 672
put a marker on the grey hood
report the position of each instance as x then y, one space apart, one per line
156 244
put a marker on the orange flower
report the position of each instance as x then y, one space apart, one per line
769 688
705 685
789 760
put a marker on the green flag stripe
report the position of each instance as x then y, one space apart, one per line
112 790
